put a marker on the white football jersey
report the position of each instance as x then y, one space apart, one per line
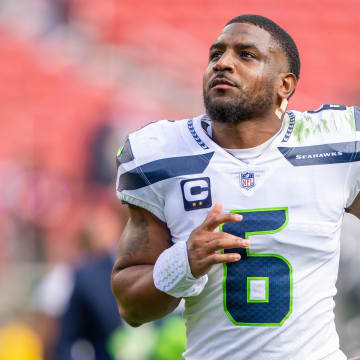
276 303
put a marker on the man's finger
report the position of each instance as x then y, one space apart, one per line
212 222
216 209
227 241
219 258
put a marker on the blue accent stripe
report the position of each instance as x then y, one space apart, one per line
327 107
194 134
357 118
290 128
322 154
163 169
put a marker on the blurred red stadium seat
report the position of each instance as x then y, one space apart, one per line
45 111
177 35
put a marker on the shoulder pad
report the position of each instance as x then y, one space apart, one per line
157 152
156 140
328 124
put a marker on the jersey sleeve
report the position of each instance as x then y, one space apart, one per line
132 185
352 187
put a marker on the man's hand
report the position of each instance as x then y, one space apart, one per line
203 244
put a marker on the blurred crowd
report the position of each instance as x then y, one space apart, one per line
60 220
77 80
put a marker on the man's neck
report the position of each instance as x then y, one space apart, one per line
245 134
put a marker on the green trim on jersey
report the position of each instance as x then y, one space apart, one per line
121 148
248 280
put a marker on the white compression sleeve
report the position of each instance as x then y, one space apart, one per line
172 273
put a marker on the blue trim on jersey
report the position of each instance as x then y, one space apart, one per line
194 134
327 107
357 118
163 169
290 128
322 154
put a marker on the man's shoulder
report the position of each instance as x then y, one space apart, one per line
328 124
157 128
159 140
159 152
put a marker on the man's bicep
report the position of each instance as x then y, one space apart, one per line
144 238
354 208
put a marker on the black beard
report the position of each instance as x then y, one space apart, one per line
240 108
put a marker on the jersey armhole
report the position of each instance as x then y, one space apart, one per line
129 199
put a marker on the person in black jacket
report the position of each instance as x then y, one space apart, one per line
92 315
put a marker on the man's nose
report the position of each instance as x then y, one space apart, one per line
225 63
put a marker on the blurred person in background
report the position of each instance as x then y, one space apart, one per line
171 173
91 317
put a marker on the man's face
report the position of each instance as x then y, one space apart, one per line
239 81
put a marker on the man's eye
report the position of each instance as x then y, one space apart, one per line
216 55
246 54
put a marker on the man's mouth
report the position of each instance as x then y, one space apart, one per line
221 83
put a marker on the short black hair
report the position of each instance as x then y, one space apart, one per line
285 41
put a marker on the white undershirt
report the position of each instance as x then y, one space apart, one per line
246 155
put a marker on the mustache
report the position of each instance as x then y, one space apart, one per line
221 76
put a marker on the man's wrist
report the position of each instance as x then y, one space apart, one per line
172 273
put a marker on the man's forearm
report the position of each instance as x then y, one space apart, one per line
138 299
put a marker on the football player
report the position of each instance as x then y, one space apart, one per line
239 211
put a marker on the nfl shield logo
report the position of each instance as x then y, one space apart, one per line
247 180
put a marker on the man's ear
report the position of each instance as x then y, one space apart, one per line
287 85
